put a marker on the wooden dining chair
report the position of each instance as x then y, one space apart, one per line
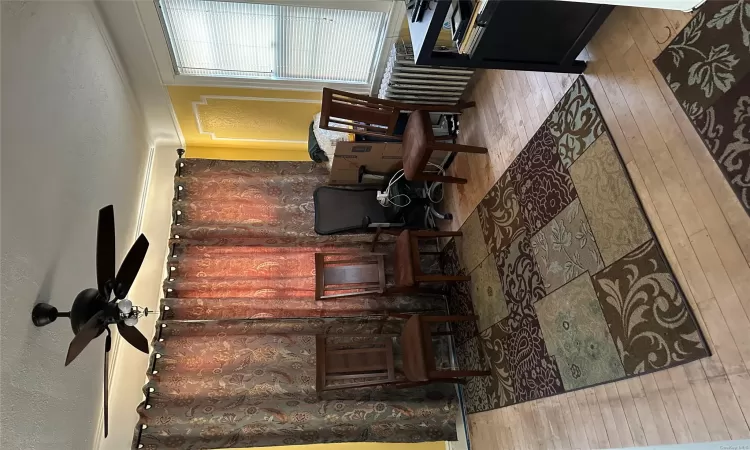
371 116
418 355
340 275
343 366
407 268
419 141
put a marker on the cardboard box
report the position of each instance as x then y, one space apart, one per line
381 157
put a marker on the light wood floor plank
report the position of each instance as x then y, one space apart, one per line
529 120
688 404
572 428
654 184
554 85
673 408
615 405
533 439
544 428
667 434
605 407
581 432
699 190
559 429
519 431
741 386
695 216
600 429
610 118
729 407
543 84
726 357
671 177
631 414
731 308
650 427
588 421
677 20
735 215
659 25
709 408
501 430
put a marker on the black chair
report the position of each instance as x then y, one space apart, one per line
350 209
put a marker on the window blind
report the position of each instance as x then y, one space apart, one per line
251 40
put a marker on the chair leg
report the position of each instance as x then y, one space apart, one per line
466 105
459 148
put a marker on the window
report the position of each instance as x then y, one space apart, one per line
230 39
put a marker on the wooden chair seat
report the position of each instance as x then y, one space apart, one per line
406 259
419 359
418 137
418 144
403 266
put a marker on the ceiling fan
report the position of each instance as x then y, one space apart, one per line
95 309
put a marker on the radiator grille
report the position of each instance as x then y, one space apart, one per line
407 82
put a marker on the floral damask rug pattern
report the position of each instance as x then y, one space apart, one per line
569 283
707 66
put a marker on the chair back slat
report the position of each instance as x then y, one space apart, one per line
352 367
345 275
342 111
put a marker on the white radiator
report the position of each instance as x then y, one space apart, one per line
405 81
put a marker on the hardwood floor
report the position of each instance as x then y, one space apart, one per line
703 229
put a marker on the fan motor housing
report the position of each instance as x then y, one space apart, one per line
87 303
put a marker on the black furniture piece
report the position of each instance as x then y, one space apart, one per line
355 209
536 35
351 209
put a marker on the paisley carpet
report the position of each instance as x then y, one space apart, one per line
707 66
569 283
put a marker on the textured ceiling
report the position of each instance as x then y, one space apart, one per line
70 144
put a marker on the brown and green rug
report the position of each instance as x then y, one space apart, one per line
707 66
569 283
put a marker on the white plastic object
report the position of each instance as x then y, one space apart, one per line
131 321
126 306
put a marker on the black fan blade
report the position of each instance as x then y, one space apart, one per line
133 336
107 348
85 335
130 267
105 249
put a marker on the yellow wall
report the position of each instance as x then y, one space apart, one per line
234 123
364 446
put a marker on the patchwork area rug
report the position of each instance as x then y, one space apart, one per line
707 66
569 283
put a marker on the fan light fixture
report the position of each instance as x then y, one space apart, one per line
95 309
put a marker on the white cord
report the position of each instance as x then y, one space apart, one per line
397 176
430 187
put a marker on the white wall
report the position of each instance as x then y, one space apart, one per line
130 370
72 142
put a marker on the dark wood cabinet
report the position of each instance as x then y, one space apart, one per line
538 35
